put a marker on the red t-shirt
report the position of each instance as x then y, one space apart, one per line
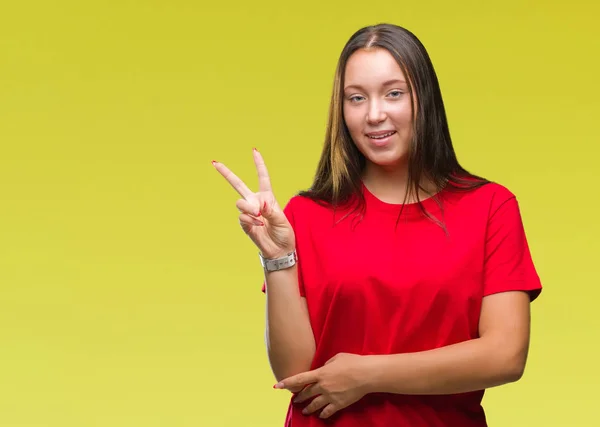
374 288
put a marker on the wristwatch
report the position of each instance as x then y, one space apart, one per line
282 263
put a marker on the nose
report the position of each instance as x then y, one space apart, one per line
375 114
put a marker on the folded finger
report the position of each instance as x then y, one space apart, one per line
248 207
247 221
328 411
318 403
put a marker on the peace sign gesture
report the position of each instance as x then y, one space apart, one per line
261 217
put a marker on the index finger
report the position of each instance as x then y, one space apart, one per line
235 182
298 380
264 182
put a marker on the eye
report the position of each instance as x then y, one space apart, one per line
355 98
396 93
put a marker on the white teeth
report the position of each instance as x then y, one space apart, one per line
382 136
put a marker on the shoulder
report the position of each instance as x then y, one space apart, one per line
490 196
297 202
304 211
300 207
305 205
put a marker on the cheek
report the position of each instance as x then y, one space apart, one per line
402 115
353 120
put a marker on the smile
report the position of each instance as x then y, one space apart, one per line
381 135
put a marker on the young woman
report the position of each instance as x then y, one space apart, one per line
398 286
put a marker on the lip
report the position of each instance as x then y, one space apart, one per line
380 142
381 132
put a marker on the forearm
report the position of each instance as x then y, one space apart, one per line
289 337
459 368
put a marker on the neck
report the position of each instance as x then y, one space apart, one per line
389 184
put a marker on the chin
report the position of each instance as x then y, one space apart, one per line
388 160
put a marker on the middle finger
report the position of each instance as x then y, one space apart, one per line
310 391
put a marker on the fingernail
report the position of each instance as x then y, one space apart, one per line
278 385
255 149
258 214
213 162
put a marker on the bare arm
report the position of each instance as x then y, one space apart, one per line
496 358
289 337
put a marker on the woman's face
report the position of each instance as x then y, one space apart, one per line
377 107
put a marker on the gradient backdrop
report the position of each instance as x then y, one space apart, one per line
128 294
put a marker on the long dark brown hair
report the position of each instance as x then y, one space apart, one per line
431 155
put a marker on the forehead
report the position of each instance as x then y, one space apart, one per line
372 67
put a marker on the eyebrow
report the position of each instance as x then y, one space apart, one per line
387 83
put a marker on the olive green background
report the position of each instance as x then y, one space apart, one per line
129 296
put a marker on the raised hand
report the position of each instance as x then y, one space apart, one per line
261 217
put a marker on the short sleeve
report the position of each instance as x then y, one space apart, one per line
508 264
290 212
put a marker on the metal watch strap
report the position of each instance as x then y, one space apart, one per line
284 262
